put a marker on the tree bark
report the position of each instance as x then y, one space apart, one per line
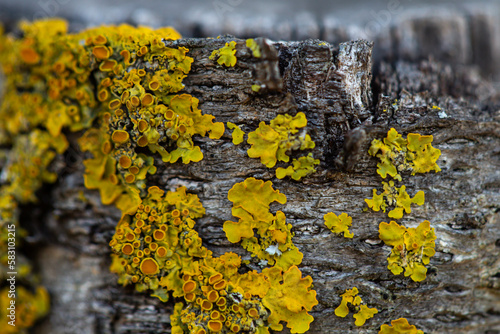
346 110
459 32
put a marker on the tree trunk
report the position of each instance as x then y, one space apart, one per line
346 110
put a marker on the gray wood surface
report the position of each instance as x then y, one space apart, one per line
333 86
460 32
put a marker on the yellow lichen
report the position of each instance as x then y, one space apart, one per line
156 243
422 154
339 224
274 142
411 248
237 298
363 312
399 326
237 134
394 197
157 249
254 46
121 85
273 243
396 154
246 302
27 169
256 88
289 299
251 200
20 311
49 86
349 296
130 113
101 172
225 55
300 168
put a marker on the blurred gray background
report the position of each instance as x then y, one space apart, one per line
460 32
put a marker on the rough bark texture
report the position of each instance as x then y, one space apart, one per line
347 107
459 32
333 86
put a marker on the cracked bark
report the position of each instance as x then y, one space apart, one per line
346 110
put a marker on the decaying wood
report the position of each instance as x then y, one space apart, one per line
333 86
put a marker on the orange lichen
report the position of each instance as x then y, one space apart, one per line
27 169
127 249
215 278
149 266
101 52
101 83
120 136
125 161
152 220
250 298
215 326
100 80
29 56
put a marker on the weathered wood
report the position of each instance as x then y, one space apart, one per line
333 87
459 32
